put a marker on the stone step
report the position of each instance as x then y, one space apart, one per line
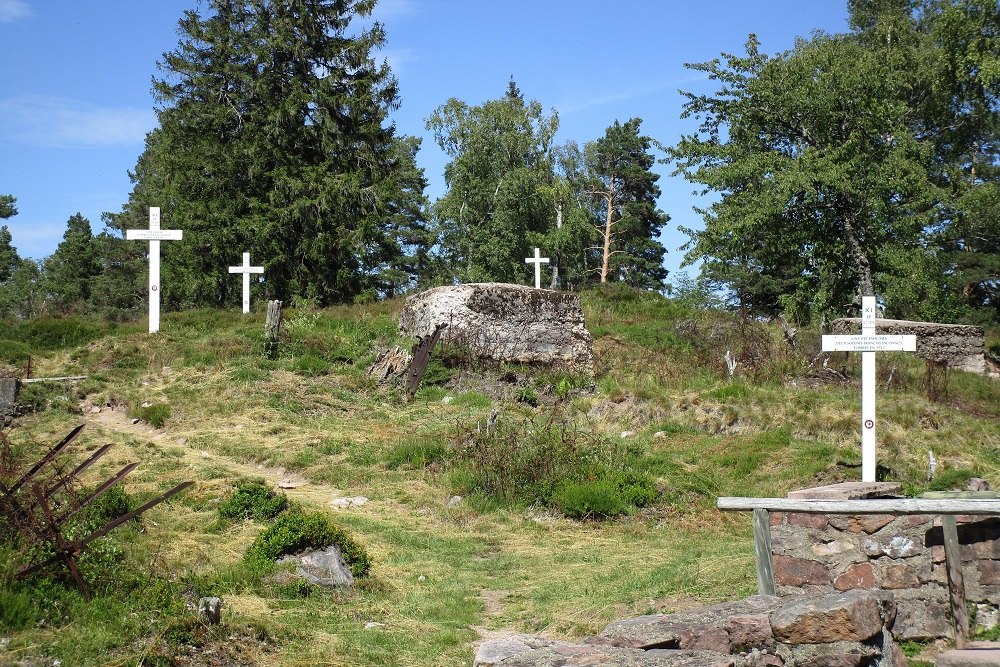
975 654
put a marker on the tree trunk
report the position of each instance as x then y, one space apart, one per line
606 258
866 285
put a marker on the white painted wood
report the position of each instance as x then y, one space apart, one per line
868 343
154 235
246 270
537 260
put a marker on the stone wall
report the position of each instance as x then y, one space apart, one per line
849 629
961 346
820 554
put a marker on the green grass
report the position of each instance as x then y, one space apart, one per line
311 418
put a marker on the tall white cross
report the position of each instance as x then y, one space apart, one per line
246 270
537 260
868 343
154 235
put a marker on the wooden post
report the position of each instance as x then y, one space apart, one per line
956 581
762 551
272 329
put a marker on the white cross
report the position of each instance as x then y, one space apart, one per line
537 260
154 235
868 343
246 270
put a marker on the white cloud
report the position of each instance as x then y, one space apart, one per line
59 122
397 59
623 95
12 10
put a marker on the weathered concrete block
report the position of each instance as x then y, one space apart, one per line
505 323
961 346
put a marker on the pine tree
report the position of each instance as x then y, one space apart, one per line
70 270
620 168
273 138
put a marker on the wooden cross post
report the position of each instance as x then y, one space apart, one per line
246 270
868 343
537 260
154 235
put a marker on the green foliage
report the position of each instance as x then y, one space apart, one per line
311 365
527 395
841 168
951 479
155 414
298 530
551 461
274 138
597 499
70 271
624 185
252 499
499 166
417 452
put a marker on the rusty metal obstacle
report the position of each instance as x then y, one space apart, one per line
39 502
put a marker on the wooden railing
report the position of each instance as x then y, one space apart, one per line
946 508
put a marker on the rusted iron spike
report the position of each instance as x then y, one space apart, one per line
45 459
97 492
79 469
66 551
80 545
421 356
134 513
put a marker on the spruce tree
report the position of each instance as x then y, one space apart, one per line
70 270
273 138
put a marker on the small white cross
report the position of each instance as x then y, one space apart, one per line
537 260
868 343
154 235
246 270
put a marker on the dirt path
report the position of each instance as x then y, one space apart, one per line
111 419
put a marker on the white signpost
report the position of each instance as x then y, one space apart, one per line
154 235
537 260
868 343
246 270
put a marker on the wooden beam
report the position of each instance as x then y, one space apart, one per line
896 506
956 581
762 551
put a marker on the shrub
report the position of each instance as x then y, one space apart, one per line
298 531
416 453
156 414
311 365
253 500
549 460
589 499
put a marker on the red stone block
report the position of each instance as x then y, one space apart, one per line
989 572
866 523
775 518
897 575
860 576
790 571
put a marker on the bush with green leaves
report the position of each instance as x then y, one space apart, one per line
155 414
252 499
297 531
550 460
417 452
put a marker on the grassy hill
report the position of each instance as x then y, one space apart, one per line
589 500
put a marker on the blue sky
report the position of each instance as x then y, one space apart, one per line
75 100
